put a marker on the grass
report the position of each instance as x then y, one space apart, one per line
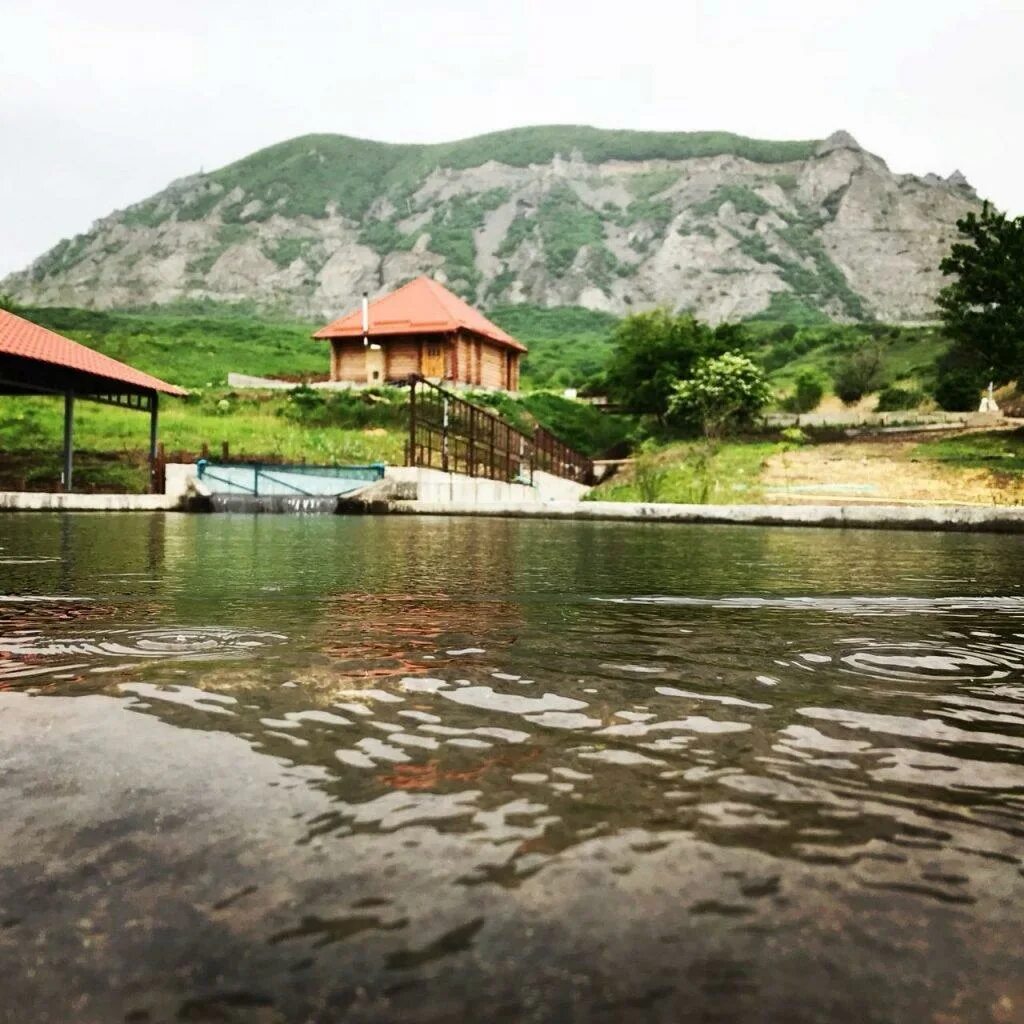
579 425
694 473
743 198
1000 451
193 351
908 353
568 344
252 423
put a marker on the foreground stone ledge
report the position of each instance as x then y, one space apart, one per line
32 501
871 517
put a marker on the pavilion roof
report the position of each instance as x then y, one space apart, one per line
423 306
22 338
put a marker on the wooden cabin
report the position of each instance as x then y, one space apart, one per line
422 328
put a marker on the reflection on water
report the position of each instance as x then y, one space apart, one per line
808 737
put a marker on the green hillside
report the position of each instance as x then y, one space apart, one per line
568 346
303 175
197 350
549 217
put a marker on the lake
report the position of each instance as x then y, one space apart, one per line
429 769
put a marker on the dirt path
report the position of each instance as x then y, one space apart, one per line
879 470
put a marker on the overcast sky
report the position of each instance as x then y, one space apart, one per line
103 102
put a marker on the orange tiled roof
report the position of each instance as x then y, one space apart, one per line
420 307
21 337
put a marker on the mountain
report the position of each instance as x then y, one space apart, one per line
723 225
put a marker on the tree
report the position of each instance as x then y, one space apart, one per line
654 350
983 309
8 303
861 373
723 393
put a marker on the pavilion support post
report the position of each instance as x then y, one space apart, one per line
153 418
69 438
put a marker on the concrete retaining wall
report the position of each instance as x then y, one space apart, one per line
873 517
434 485
180 483
31 501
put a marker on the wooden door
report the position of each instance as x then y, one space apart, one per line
433 360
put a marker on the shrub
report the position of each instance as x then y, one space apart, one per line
858 375
723 393
807 393
304 404
892 398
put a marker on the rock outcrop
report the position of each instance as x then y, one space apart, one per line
724 226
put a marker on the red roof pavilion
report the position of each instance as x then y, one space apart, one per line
22 338
34 361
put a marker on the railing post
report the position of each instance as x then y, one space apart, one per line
154 484
444 434
411 459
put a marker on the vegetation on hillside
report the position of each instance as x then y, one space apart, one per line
568 345
303 175
194 351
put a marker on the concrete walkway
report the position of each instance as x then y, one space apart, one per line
994 519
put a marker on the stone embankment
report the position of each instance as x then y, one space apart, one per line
988 519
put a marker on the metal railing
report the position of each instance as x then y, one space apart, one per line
553 456
448 433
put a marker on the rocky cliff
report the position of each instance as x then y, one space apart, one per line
722 225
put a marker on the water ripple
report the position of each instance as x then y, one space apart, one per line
31 653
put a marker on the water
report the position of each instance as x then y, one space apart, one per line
279 768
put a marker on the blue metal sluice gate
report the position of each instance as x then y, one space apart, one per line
261 479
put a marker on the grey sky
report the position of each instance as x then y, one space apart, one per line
103 102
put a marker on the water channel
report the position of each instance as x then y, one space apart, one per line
427 769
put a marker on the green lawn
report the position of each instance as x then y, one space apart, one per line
339 428
1001 451
693 473
253 425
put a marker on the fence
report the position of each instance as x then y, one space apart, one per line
448 433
